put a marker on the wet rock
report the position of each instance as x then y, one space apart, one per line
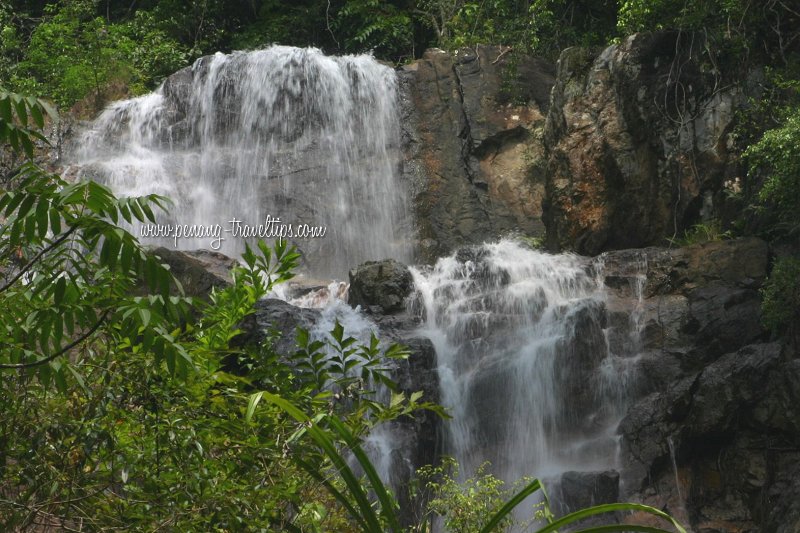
733 431
381 284
722 319
472 145
418 373
739 263
580 490
275 320
581 358
693 303
649 426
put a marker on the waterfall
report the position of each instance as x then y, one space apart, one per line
528 367
273 137
536 362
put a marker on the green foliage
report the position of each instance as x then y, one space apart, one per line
20 119
70 269
299 23
120 407
542 27
702 232
199 25
11 44
781 295
736 27
777 156
375 25
468 505
74 53
477 505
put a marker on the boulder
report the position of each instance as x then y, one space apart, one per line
277 320
383 285
197 271
579 490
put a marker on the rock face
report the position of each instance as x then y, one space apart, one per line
714 437
472 127
735 429
637 143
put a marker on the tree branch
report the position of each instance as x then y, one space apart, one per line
38 256
62 351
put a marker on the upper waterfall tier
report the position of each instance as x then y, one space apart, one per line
282 133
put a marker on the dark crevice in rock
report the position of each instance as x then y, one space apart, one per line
465 134
494 143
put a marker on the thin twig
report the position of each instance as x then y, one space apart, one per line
504 52
62 351
328 23
38 256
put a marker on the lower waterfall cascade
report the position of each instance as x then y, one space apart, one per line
534 375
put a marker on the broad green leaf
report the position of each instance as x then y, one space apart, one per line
610 508
252 404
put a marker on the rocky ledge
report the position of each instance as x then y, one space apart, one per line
712 432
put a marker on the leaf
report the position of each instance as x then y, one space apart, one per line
42 217
55 221
22 112
338 332
59 377
58 290
609 508
27 144
324 441
252 404
36 113
25 206
5 109
145 315
79 378
387 503
509 506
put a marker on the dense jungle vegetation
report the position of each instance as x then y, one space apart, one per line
126 405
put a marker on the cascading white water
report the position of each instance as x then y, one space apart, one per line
284 133
528 369
520 339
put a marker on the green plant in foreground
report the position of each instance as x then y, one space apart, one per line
330 436
777 156
118 407
466 505
20 116
781 295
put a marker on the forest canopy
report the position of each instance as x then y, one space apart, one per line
74 49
